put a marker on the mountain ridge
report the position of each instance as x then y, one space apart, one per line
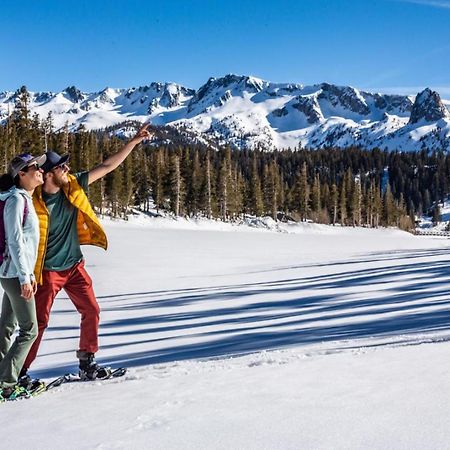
248 112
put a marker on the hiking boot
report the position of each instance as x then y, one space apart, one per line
33 385
89 369
24 381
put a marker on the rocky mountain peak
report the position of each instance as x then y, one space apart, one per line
309 106
171 96
227 85
74 94
396 104
345 96
428 106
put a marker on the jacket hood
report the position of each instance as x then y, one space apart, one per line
14 190
6 194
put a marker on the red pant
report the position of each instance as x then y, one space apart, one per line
78 285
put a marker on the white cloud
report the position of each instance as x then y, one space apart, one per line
433 3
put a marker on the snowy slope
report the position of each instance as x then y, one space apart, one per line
245 111
425 223
339 340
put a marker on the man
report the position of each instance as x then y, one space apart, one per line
66 221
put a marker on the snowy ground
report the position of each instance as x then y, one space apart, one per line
325 338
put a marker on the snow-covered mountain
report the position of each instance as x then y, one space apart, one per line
247 112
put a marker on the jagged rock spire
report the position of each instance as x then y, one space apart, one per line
428 106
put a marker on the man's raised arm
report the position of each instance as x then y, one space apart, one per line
114 161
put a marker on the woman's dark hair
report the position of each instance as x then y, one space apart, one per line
7 181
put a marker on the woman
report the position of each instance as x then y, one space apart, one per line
21 238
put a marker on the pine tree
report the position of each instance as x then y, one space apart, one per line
208 194
97 189
157 164
436 217
126 188
389 209
377 208
177 186
232 193
356 203
239 184
325 197
255 203
301 194
48 129
63 139
141 180
223 189
113 193
21 118
315 195
334 203
343 203
36 136
271 189
349 189
195 185
369 204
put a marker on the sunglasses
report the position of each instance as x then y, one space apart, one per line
64 167
34 166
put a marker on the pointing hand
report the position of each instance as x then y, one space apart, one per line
143 134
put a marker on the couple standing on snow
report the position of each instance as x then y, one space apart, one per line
46 217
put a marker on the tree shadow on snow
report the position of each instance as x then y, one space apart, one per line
383 301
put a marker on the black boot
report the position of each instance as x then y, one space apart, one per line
89 369
24 379
32 385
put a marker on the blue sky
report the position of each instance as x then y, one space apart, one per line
399 45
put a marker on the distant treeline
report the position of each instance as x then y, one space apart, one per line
349 187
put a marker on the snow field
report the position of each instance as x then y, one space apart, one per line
248 339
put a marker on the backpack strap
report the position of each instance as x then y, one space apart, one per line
25 211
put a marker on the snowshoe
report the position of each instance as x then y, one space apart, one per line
14 393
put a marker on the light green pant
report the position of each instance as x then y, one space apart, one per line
15 310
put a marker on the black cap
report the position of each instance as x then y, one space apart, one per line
53 160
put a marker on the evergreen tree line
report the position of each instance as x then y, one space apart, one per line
335 186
